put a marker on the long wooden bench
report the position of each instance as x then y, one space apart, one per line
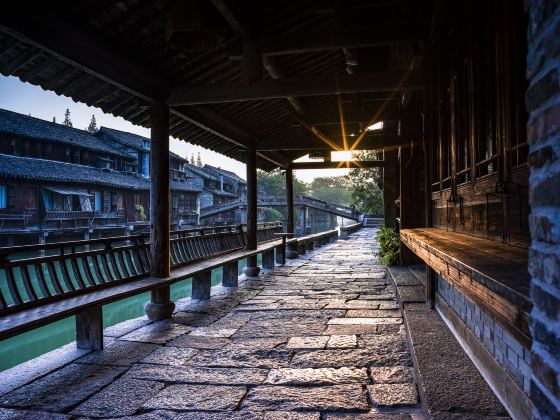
82 276
345 231
310 242
492 274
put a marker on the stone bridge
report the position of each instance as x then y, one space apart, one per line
302 201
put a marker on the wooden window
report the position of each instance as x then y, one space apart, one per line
30 198
3 196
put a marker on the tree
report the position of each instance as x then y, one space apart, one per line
366 194
67 121
198 160
191 160
274 183
92 128
336 189
54 119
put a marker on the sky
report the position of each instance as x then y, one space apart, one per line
26 98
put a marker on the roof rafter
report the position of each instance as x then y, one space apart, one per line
302 86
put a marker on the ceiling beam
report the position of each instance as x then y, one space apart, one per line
88 52
310 143
338 165
216 124
324 41
386 114
303 86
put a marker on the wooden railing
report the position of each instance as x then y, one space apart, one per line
69 268
348 229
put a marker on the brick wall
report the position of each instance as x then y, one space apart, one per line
543 104
508 352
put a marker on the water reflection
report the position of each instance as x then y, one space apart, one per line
31 344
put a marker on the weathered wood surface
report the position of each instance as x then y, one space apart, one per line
23 320
492 274
104 263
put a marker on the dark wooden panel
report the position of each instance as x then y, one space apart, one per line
491 274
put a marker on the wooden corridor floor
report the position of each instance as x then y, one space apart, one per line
321 337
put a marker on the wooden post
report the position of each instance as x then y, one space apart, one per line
89 328
390 188
291 251
251 270
268 259
160 306
201 284
230 274
431 286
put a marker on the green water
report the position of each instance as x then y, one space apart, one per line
31 344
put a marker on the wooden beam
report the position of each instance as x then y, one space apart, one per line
304 86
159 191
309 143
389 113
213 122
90 53
297 43
338 165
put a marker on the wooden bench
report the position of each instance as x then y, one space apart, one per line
345 231
310 242
491 274
84 275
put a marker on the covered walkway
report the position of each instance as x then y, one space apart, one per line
321 335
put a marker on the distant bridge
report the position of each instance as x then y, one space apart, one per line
299 201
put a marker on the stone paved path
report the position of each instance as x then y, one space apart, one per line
319 338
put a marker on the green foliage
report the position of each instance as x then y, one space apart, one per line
140 209
366 194
271 215
389 245
274 183
92 127
67 121
336 189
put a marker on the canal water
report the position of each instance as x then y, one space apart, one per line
31 344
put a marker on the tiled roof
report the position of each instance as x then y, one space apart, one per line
200 172
16 167
133 140
176 156
12 123
228 174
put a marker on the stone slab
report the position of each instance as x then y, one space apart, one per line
198 375
364 321
259 358
122 398
319 398
393 395
157 332
392 375
342 341
120 353
173 356
319 376
63 388
315 342
13 414
197 398
199 342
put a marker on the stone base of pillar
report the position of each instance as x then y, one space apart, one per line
159 311
291 254
251 271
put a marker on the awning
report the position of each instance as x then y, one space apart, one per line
68 191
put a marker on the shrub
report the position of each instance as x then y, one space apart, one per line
389 245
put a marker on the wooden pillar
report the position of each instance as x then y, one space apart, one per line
160 306
268 259
89 328
201 285
291 251
390 187
251 270
230 274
